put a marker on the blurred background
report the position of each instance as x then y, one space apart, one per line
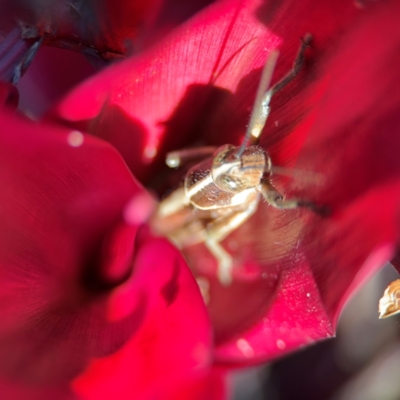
361 363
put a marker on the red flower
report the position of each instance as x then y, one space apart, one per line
294 270
80 279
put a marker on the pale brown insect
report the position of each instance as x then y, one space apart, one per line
220 193
389 304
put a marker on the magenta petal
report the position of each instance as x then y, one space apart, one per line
62 194
289 323
198 385
174 339
11 391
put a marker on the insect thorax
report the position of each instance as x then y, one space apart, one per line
226 179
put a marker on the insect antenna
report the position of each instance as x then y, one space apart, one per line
261 106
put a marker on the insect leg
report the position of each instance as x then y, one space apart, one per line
177 158
173 203
262 107
275 199
217 231
297 65
173 213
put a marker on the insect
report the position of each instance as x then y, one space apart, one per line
221 192
389 304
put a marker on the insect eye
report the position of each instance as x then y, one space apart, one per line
230 183
222 154
227 180
220 158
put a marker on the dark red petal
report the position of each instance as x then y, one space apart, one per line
62 194
16 52
89 26
173 341
8 95
98 28
51 75
128 26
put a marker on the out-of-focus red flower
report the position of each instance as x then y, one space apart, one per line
83 290
335 124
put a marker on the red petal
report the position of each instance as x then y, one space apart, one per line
199 385
52 73
14 391
62 195
8 95
147 104
173 341
66 249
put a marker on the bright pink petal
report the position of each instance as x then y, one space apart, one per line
104 30
94 27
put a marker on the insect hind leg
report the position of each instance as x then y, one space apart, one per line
261 109
177 158
296 68
217 231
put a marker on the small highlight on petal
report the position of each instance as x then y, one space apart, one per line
280 344
389 304
244 346
139 209
75 138
150 152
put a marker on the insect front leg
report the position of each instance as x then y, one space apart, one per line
262 107
217 231
175 159
296 68
275 199
173 213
